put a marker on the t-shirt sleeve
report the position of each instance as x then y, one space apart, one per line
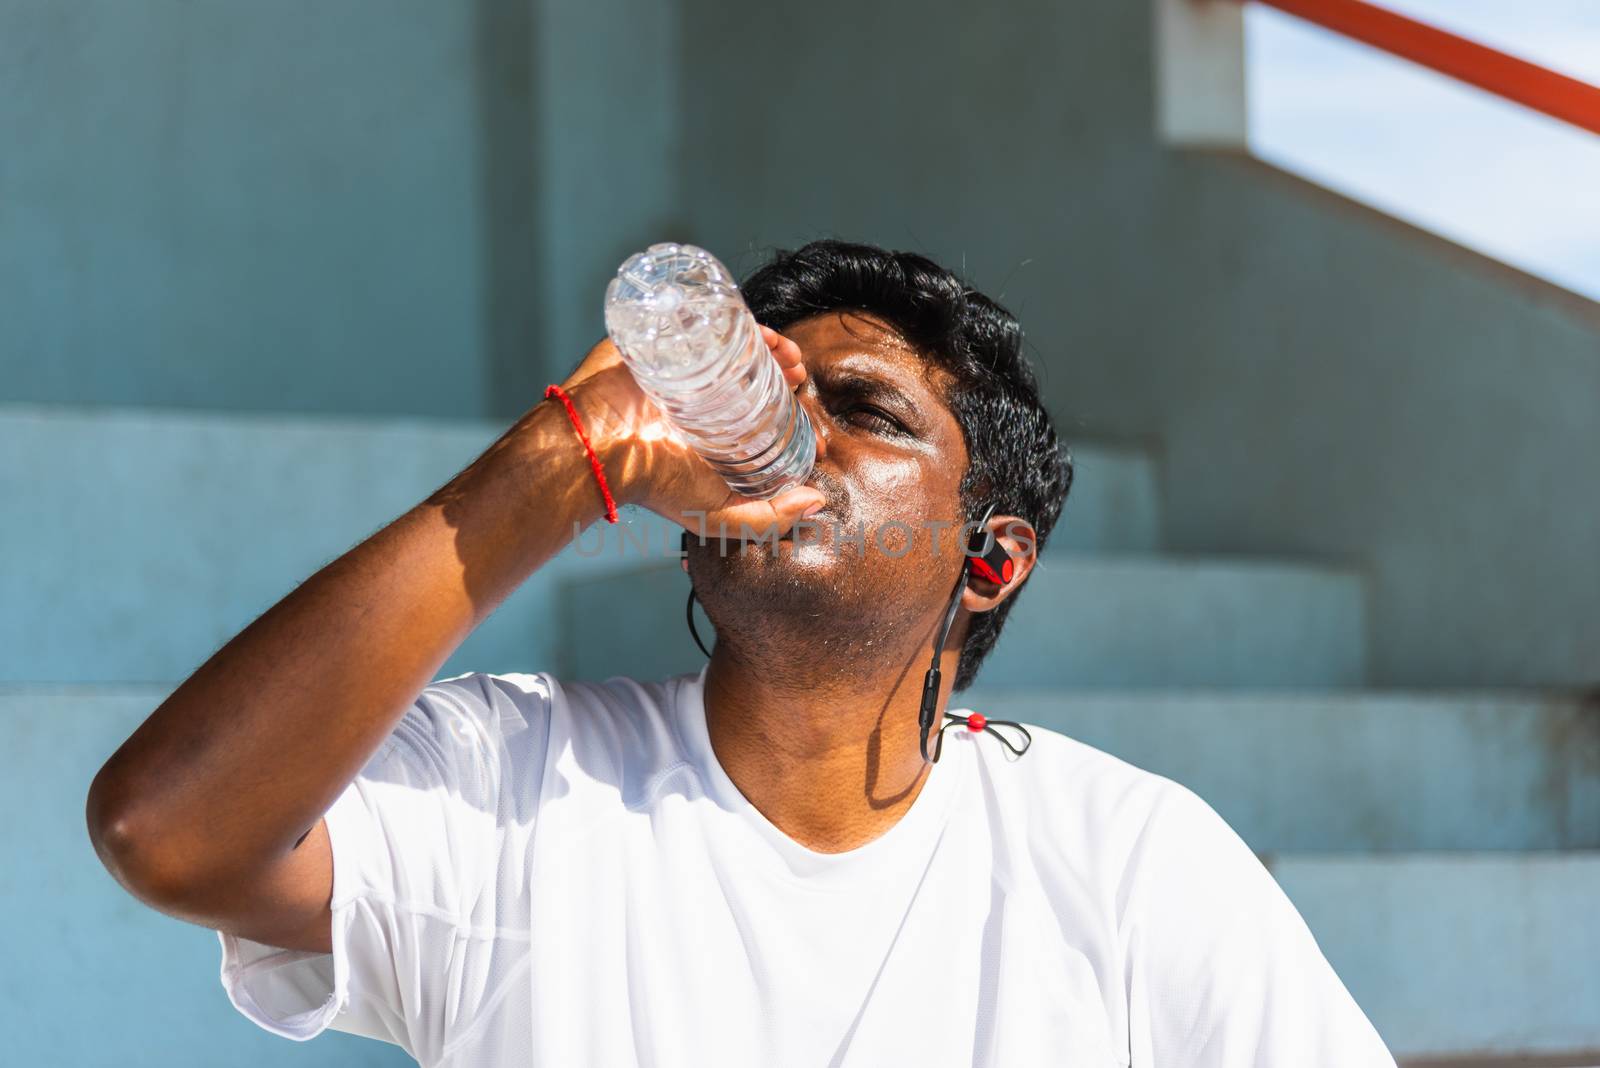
415 843
1222 971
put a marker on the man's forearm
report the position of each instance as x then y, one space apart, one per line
250 750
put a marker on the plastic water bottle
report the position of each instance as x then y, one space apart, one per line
676 315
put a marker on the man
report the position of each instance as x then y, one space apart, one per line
750 865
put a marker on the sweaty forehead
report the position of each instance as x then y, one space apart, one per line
862 346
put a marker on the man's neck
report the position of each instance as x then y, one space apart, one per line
832 760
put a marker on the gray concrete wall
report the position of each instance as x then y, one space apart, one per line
608 90
380 206
243 206
1325 381
98 978
411 208
1359 388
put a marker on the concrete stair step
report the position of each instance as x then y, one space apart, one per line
1462 957
1353 772
1114 503
1227 622
1469 959
152 536
124 970
1082 621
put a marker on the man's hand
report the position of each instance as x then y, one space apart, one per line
648 465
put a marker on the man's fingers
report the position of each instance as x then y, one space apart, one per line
787 353
765 519
783 349
792 505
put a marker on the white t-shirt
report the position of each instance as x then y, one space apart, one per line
537 873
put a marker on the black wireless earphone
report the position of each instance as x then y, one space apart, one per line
990 560
984 557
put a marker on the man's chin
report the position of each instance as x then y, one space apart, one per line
789 557
763 587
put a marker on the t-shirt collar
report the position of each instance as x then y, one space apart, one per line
908 839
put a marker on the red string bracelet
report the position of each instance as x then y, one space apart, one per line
594 461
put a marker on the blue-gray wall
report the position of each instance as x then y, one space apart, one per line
608 88
411 207
1325 381
277 206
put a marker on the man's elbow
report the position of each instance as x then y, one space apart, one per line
133 850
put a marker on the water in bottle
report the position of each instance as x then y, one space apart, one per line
676 315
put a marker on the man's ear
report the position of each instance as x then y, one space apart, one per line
1017 536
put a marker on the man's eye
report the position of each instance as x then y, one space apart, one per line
874 418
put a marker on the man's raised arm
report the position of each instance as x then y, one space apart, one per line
212 810
199 812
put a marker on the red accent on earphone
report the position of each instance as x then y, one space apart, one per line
995 565
981 568
976 722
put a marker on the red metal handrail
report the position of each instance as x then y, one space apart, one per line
1529 84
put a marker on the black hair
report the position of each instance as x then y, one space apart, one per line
1014 456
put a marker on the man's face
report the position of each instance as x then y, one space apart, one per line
892 468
